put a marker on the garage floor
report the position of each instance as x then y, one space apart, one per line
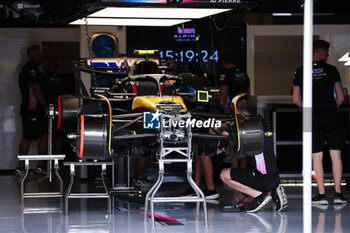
47 215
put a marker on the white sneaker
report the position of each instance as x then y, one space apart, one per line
279 197
143 183
38 170
260 202
20 172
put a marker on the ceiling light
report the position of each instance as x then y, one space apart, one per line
129 22
157 12
301 14
282 14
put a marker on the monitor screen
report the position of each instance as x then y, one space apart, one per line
191 55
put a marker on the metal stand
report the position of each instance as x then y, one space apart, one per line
70 195
26 159
49 157
122 190
49 141
166 147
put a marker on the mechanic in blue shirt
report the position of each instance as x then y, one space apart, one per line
327 124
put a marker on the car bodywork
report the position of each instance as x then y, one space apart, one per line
112 121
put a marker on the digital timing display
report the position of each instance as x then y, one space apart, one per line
189 55
192 47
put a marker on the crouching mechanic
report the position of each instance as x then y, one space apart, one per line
258 183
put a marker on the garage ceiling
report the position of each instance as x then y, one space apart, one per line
61 12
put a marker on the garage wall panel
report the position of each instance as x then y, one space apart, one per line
13 45
284 54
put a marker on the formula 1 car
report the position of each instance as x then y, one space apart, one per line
145 111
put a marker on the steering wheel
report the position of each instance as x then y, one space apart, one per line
176 86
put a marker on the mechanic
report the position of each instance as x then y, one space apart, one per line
202 160
203 165
232 83
259 182
33 109
326 120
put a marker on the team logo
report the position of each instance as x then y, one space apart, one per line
33 73
186 35
346 59
151 120
186 30
317 71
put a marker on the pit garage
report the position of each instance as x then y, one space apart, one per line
147 116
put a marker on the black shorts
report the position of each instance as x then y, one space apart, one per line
254 179
327 127
205 146
34 125
335 140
